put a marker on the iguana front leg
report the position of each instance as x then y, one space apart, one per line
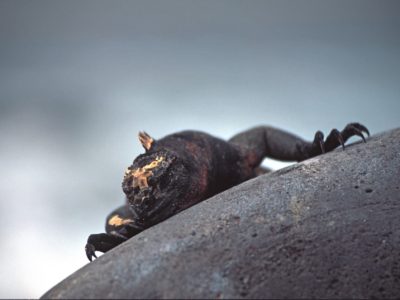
263 141
120 226
101 242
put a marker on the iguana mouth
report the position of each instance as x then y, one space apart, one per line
147 204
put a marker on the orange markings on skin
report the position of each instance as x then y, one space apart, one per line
141 175
118 221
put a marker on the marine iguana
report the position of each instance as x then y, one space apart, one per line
187 167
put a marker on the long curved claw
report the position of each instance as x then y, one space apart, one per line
90 251
355 129
319 140
360 127
341 141
359 133
338 136
321 145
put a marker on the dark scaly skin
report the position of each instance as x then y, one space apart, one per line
188 167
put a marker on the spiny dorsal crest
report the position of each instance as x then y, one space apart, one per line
145 140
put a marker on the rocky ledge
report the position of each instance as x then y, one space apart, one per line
328 227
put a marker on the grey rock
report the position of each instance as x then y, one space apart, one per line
328 227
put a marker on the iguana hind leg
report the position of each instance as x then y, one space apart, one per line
264 141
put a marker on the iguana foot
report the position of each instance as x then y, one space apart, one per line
355 129
90 250
102 242
337 138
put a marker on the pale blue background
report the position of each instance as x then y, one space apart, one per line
79 79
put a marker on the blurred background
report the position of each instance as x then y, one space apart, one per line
79 79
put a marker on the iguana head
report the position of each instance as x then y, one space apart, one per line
153 183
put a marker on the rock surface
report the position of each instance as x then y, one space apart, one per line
328 227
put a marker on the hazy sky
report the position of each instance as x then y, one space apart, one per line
79 79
